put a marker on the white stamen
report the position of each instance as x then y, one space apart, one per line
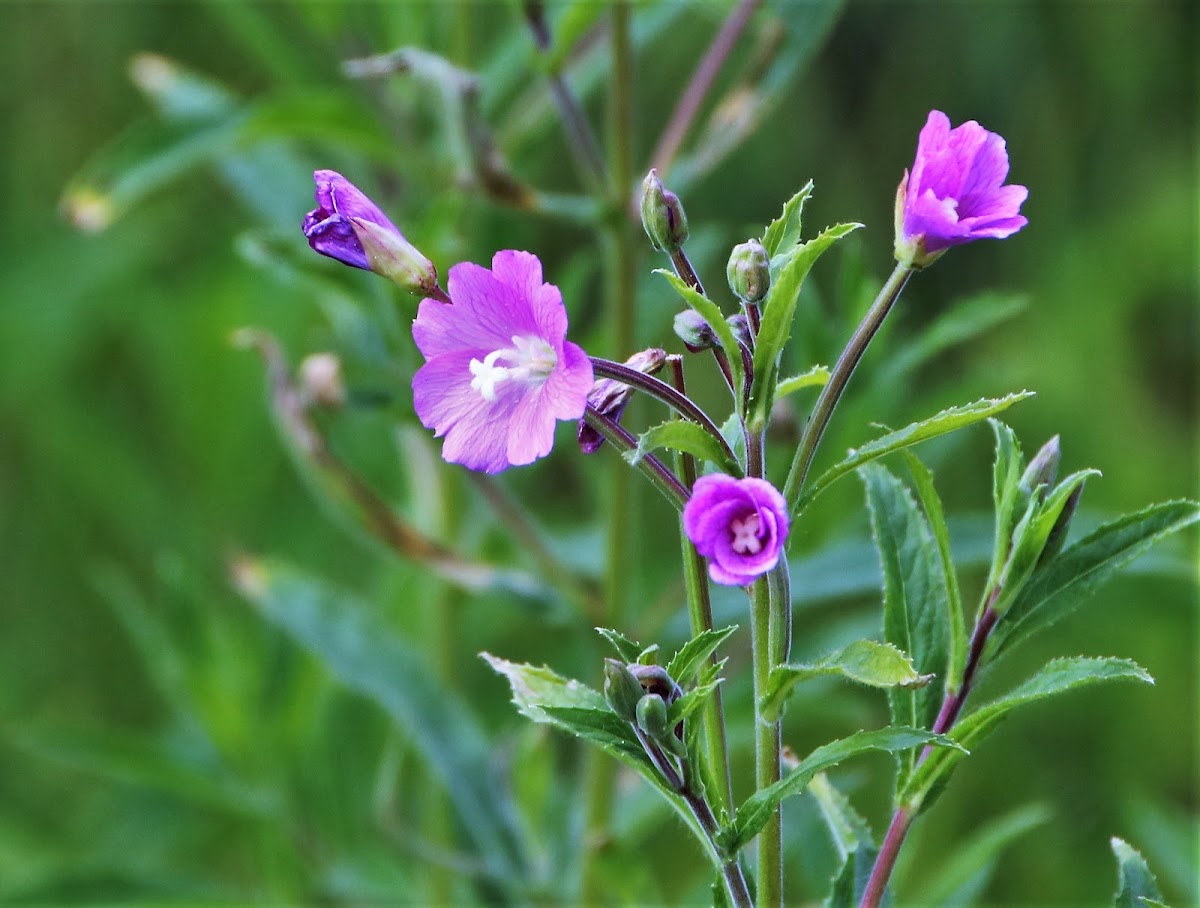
745 535
531 359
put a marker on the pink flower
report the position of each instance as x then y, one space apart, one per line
739 525
499 370
955 193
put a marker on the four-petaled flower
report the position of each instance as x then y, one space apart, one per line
499 370
955 192
739 525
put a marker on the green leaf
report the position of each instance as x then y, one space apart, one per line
784 232
688 437
1073 575
1006 475
864 661
757 809
693 654
1136 886
955 619
914 596
691 701
778 311
351 640
851 837
1056 677
716 319
939 424
965 870
816 377
627 649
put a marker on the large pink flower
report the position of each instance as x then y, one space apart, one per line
955 192
499 370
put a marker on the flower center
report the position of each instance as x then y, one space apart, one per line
530 360
745 534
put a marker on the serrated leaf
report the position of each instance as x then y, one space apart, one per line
941 423
716 319
1136 886
931 504
693 654
627 649
816 377
1073 575
1056 677
864 661
690 702
914 596
778 311
853 840
752 816
352 642
784 232
688 437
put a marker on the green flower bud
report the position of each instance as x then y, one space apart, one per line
395 258
662 215
694 330
652 717
749 272
622 691
740 326
1042 470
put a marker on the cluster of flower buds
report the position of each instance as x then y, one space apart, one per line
642 695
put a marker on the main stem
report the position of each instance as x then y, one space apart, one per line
832 392
620 283
767 741
893 840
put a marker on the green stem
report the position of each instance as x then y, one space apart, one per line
838 379
767 741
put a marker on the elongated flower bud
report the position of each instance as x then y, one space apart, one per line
652 718
662 215
609 397
622 690
1043 469
655 680
694 330
749 272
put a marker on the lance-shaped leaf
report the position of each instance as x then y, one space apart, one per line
778 311
914 595
752 816
939 424
1073 575
360 650
816 377
853 840
716 320
1056 677
783 233
864 661
1136 886
693 654
688 437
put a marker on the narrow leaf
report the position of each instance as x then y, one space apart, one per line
784 232
939 424
693 654
1136 886
864 661
716 320
816 377
627 649
1056 677
688 437
757 809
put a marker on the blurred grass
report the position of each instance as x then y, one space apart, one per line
159 740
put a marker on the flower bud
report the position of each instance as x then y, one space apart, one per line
740 326
1042 470
652 717
662 215
655 680
694 330
392 256
749 272
321 380
1058 533
609 397
622 691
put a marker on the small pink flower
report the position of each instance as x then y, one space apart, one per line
955 192
739 525
499 371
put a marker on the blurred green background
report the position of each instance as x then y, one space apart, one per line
160 739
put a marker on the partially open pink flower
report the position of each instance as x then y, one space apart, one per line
955 192
499 370
739 525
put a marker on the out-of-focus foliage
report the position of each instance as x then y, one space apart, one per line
161 738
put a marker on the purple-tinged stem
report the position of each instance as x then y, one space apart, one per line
663 478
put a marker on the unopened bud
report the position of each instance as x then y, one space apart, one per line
395 258
609 397
662 215
655 680
622 691
321 380
749 272
1042 470
740 326
652 717
1058 533
694 330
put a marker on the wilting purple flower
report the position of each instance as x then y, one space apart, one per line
955 193
499 370
739 525
609 397
328 226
